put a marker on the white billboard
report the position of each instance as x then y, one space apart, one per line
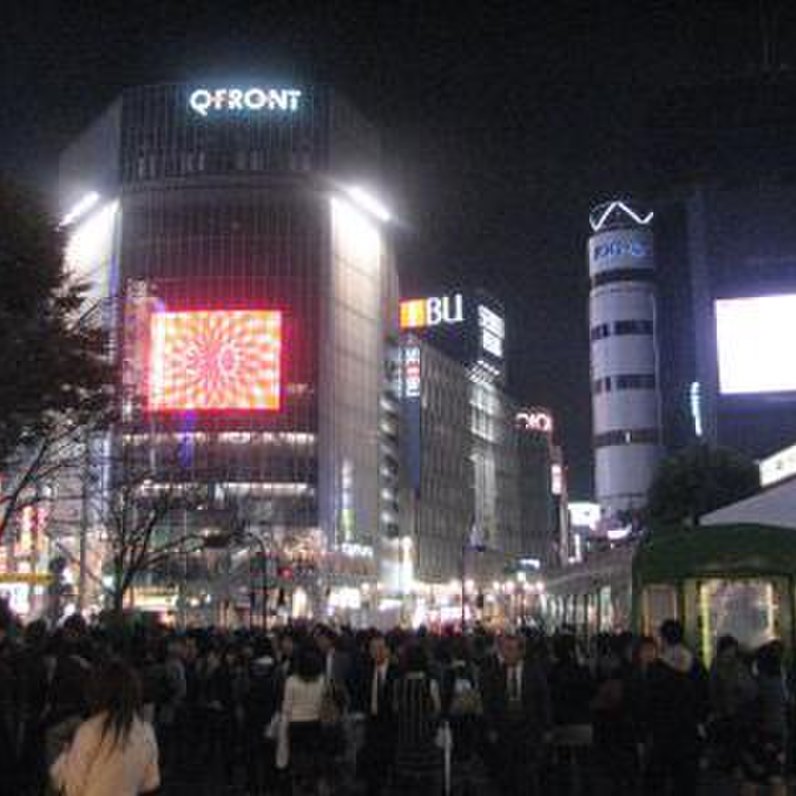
755 340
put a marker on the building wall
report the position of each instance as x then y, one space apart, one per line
480 484
626 407
244 210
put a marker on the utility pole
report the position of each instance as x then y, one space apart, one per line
84 525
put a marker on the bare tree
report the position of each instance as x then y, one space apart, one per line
32 472
145 523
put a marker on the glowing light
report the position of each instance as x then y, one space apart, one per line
695 394
204 100
218 359
778 466
369 203
493 331
413 314
600 222
755 344
432 311
89 249
80 208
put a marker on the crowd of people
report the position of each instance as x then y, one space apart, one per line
133 709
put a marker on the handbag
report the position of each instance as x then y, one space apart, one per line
466 699
332 705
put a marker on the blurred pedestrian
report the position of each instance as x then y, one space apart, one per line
114 752
376 758
517 716
417 707
732 689
301 712
676 707
763 755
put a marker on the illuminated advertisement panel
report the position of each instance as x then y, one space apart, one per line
204 360
755 344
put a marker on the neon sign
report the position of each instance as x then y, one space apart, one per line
412 372
206 100
433 311
619 248
217 359
535 419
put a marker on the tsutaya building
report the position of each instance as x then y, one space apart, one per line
247 264
477 493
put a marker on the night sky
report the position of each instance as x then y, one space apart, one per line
503 123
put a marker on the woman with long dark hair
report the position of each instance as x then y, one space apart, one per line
301 709
114 752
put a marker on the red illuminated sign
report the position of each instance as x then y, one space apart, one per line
215 359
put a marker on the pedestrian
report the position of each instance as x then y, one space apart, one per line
676 712
301 712
572 689
614 717
732 689
114 752
463 709
763 753
261 704
376 700
417 707
67 702
517 716
10 706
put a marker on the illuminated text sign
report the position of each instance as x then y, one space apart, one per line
619 248
493 331
412 372
220 100
420 313
540 420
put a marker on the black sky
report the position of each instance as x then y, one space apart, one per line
504 122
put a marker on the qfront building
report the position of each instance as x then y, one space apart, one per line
233 235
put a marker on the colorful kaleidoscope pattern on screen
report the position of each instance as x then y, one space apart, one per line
215 360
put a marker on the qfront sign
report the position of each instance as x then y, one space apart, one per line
205 101
433 311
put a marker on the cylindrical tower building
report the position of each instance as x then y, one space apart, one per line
626 412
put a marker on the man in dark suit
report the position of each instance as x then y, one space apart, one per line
376 700
517 717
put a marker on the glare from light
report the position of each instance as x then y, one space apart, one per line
89 249
369 203
80 208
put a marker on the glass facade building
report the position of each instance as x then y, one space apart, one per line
477 491
227 214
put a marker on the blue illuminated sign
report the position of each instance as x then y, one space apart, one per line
619 248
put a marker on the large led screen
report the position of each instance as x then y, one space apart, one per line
755 338
207 360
